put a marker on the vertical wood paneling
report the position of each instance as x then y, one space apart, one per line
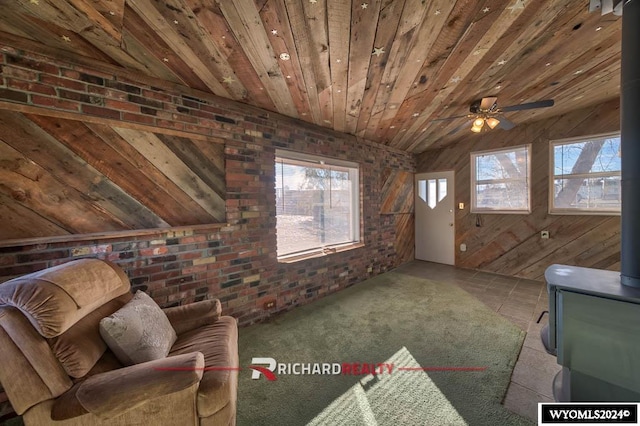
511 244
360 57
339 26
247 26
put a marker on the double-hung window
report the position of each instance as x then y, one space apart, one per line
317 204
585 175
500 180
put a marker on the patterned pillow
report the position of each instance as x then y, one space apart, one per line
139 331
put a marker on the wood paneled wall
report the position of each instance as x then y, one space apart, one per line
511 244
62 177
397 201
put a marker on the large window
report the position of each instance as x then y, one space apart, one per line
586 175
500 180
317 204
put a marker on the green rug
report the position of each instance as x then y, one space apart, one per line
468 352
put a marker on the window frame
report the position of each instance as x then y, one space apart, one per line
574 211
302 159
474 181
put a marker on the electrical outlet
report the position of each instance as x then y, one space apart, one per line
460 206
463 247
544 235
270 304
369 269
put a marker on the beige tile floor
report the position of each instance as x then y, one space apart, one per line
520 301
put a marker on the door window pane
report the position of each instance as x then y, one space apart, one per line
432 194
442 189
422 190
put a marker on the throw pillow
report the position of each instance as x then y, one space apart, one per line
139 331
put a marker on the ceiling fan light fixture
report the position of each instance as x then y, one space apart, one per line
477 125
492 122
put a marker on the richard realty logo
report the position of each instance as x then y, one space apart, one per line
269 368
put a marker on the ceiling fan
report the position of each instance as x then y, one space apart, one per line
486 111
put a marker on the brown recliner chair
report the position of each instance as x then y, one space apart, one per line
55 366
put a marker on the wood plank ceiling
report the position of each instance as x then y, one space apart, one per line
378 69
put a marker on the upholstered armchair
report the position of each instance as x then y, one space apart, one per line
56 367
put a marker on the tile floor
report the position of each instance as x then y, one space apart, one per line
520 301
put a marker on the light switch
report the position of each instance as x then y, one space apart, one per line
461 206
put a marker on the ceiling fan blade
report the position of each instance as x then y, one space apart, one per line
531 105
449 118
504 123
487 103
460 127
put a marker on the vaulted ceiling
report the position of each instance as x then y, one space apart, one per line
378 69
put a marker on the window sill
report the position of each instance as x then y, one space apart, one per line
576 212
501 211
319 253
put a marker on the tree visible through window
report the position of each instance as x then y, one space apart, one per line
500 180
586 175
317 203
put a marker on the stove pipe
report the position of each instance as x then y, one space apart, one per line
630 144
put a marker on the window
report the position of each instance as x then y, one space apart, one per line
427 191
317 204
586 175
500 181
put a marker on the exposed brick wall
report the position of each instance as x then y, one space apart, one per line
236 261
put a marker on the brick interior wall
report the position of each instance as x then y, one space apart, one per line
235 261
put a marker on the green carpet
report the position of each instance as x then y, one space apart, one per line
392 318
